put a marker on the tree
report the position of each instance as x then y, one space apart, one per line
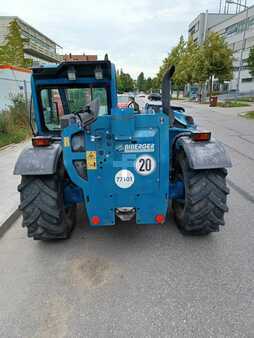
250 61
156 84
141 82
148 84
12 52
218 59
197 64
129 84
124 82
187 62
174 58
199 70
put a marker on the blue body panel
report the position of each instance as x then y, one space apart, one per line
180 117
149 194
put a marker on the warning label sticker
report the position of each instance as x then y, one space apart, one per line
91 160
66 142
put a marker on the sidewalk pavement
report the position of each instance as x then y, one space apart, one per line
9 196
234 111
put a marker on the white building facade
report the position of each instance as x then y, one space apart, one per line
203 22
232 27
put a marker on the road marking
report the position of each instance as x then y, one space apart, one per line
237 151
9 222
241 191
245 139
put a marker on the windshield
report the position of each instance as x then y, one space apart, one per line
56 102
154 108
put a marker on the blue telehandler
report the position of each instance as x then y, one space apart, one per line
118 163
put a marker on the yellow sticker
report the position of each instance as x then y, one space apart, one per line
66 141
91 160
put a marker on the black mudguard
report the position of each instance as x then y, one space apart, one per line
204 155
38 160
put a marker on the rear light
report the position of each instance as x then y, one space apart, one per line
201 136
95 220
41 141
160 219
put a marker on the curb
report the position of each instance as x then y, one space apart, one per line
242 114
5 226
10 145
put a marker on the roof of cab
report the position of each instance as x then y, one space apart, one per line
83 69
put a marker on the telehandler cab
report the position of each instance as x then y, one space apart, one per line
116 162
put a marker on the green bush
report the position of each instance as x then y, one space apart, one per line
3 124
215 93
246 99
232 104
249 115
14 122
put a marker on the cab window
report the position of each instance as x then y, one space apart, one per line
52 108
79 98
75 99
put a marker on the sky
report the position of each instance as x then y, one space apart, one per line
136 34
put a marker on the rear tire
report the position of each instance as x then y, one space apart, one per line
205 203
42 205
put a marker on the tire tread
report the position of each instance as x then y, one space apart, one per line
205 200
42 207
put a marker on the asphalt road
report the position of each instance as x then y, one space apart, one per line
140 281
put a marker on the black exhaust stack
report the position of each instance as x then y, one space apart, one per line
166 93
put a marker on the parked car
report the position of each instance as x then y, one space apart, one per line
153 107
123 100
154 97
141 96
181 119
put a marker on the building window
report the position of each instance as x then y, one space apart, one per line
38 41
197 27
239 27
236 69
192 30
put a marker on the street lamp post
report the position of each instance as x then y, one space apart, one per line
243 44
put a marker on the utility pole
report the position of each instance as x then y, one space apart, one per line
220 7
242 50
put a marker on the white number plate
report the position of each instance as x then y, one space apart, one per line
145 165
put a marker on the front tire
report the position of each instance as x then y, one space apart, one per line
205 203
42 206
